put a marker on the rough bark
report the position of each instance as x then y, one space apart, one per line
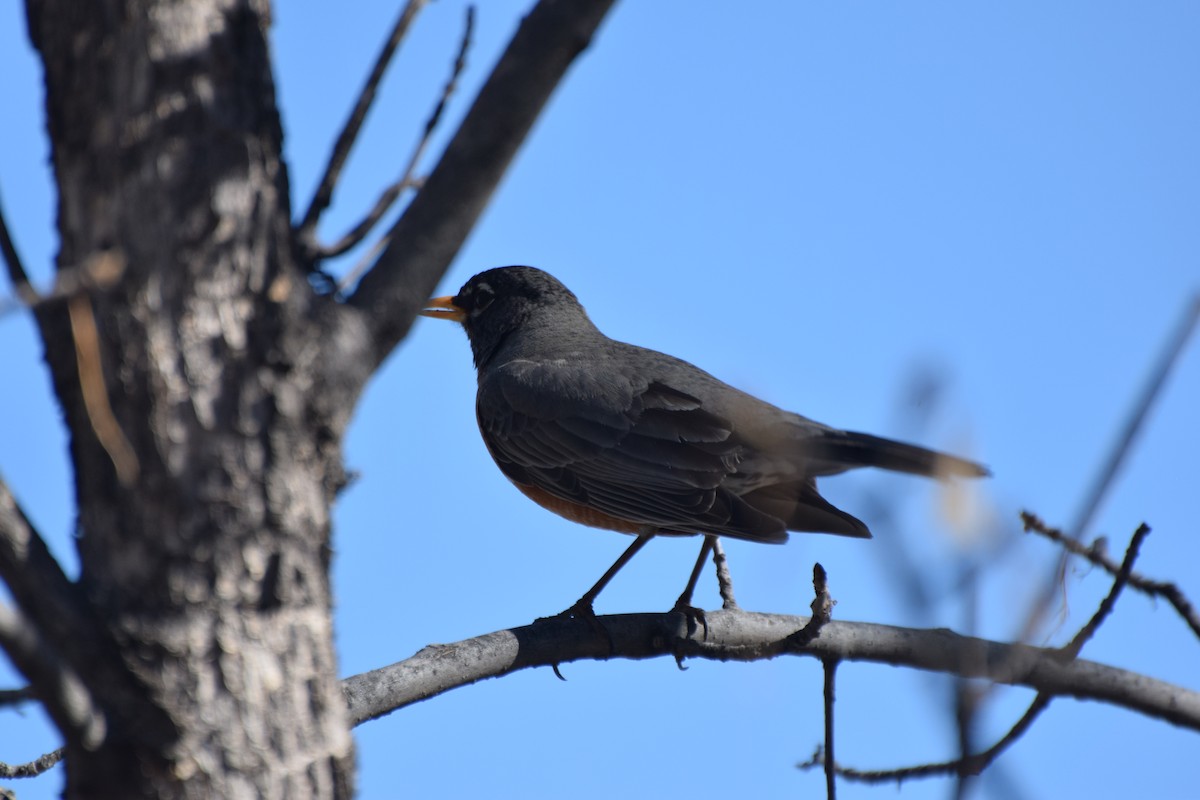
206 565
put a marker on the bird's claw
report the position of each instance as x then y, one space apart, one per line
583 611
694 616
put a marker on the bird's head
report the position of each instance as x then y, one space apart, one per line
497 303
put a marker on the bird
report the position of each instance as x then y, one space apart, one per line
617 436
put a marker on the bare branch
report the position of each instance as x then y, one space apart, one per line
54 636
830 665
744 636
429 234
306 233
33 768
1157 379
822 610
724 580
67 699
95 393
38 585
968 763
12 697
98 272
1076 644
1096 554
16 269
1121 447
408 179
54 606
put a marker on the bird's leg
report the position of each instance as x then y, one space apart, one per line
582 609
683 605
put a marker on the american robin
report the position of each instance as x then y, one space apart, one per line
617 436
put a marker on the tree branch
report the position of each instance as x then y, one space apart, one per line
66 698
429 234
33 768
1158 377
1096 554
16 269
38 585
1085 633
323 196
12 697
408 178
65 627
830 668
52 613
970 763
967 765
742 636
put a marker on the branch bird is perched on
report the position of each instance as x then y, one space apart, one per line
616 436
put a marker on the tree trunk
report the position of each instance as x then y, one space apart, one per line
206 468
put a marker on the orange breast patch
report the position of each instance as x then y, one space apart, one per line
584 515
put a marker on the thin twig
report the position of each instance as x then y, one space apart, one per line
355 235
822 610
434 225
977 763
36 580
1097 554
966 706
1158 378
33 768
724 579
72 705
830 666
364 263
1073 648
16 269
972 765
95 394
408 178
349 135
1121 447
99 271
12 697
969 697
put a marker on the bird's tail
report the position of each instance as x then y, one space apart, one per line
848 449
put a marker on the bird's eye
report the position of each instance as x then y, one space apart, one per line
483 298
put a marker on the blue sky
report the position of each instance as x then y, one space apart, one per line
827 205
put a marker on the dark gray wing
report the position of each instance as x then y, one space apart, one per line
640 451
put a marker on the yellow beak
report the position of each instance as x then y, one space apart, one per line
443 308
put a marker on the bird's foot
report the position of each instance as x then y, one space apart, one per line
582 610
694 616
